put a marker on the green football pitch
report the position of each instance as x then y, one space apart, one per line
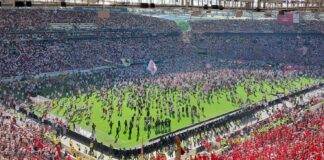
220 102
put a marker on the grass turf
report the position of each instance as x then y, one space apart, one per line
217 107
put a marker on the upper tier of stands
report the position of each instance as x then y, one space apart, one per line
30 44
40 19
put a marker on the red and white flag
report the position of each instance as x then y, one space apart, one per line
152 67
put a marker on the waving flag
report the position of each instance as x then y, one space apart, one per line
208 65
304 50
126 62
151 67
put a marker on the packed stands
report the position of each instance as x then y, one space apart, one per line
294 133
31 45
24 139
40 19
218 55
256 26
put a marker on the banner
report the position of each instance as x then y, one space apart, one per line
268 13
118 10
103 14
287 67
196 13
285 19
296 18
183 25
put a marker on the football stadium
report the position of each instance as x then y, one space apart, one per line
161 80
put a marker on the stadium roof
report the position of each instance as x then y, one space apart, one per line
243 4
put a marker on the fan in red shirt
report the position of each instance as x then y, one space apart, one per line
68 157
